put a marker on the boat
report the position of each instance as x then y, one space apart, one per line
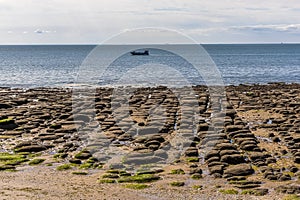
138 53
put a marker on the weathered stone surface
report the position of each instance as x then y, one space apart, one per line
192 152
285 177
212 153
233 128
32 148
83 155
5 106
239 170
225 146
196 171
289 189
233 159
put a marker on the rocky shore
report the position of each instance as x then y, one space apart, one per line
249 149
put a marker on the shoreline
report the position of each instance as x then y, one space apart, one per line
71 86
253 148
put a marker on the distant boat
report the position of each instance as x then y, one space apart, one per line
137 53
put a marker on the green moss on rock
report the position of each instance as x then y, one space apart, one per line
228 191
64 167
177 184
36 161
143 178
136 186
177 171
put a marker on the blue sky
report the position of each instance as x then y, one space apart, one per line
92 21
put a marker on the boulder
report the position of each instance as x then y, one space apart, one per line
233 128
285 177
8 124
192 152
233 159
239 170
217 169
5 106
225 146
212 153
31 148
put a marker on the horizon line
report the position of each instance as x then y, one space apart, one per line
92 44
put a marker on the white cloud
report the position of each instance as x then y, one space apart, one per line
291 28
90 21
40 31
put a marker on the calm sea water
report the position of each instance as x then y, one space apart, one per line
39 66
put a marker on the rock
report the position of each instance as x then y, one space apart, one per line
192 152
228 152
233 159
24 143
32 148
49 137
55 126
297 160
13 133
256 155
288 189
84 155
5 106
260 191
270 160
217 169
196 171
212 153
8 124
270 175
213 159
211 164
249 147
158 138
236 178
123 137
203 127
239 170
75 161
283 152
293 169
143 160
225 146
233 128
271 135
217 175
148 131
7 167
276 139
154 147
285 177
81 117
230 112
20 101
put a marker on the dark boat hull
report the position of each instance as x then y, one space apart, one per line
145 53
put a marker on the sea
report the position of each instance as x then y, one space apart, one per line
30 66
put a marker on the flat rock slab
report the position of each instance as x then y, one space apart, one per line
33 148
239 170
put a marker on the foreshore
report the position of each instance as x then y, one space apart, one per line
61 144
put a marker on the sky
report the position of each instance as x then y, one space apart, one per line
93 21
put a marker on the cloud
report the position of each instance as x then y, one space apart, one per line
87 21
290 28
170 9
40 31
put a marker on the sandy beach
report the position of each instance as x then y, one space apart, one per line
56 146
